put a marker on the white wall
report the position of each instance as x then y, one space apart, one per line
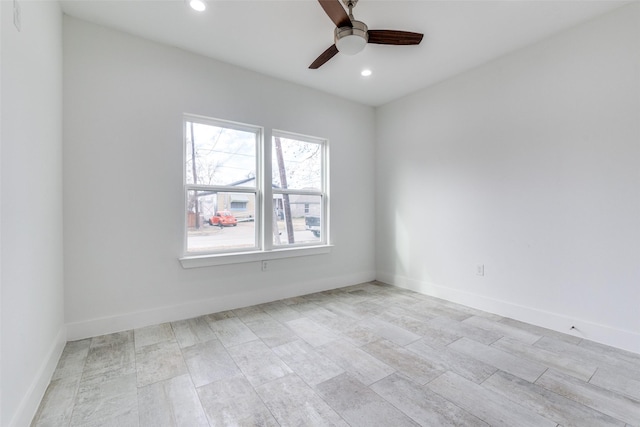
32 276
1 380
123 103
529 165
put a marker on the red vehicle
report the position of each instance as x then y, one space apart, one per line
223 219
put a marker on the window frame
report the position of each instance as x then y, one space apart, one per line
324 184
258 131
264 248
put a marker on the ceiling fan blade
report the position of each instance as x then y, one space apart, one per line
394 37
324 57
336 12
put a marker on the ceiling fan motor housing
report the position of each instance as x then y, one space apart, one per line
351 36
351 40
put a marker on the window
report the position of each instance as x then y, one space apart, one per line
238 203
221 161
298 181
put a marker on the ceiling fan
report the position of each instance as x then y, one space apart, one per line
351 35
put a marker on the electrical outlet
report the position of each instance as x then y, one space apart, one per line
479 269
17 14
265 265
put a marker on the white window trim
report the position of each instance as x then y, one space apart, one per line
210 260
265 249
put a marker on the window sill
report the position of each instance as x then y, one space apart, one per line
242 257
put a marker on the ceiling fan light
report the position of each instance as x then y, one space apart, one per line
351 40
351 44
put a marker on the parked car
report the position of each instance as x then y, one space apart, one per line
313 224
223 219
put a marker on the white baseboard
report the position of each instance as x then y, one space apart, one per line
31 400
623 339
139 319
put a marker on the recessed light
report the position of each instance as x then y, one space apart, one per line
366 72
197 5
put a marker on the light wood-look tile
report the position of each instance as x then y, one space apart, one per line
171 403
618 406
280 311
234 402
58 402
538 330
423 405
157 362
153 335
336 323
307 363
110 353
294 403
546 403
312 332
72 360
618 381
269 330
107 397
408 322
232 331
358 335
547 358
403 361
429 309
208 362
612 354
592 356
252 313
192 331
354 311
502 329
447 359
464 329
502 360
258 363
359 405
486 405
369 354
358 363
389 331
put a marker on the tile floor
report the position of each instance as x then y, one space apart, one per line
366 355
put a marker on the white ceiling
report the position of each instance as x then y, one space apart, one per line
281 38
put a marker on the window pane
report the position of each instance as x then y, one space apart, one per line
297 219
213 225
223 156
296 164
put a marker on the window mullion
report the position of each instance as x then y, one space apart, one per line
221 189
300 192
267 193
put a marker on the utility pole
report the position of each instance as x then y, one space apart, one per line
285 197
195 176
